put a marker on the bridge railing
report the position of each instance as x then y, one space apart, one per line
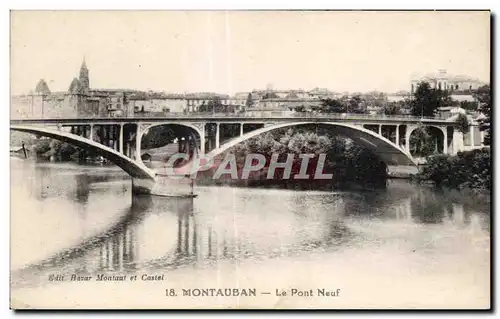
347 116
264 115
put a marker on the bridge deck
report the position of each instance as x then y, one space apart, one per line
208 117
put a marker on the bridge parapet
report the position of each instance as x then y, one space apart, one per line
292 116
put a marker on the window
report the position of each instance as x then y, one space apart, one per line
456 87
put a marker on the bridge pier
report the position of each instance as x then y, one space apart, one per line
397 135
120 139
163 185
116 147
91 132
409 130
202 140
457 142
217 135
445 140
138 137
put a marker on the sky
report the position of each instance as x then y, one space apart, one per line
238 51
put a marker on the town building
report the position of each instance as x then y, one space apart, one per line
157 103
79 101
456 84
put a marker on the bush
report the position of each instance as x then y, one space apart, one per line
465 170
348 162
46 148
42 147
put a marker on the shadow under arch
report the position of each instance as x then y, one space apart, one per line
160 141
426 140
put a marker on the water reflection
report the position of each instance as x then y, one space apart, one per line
82 189
232 224
172 233
420 205
47 180
166 233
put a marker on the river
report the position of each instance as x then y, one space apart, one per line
405 246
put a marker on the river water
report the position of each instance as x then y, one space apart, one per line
402 247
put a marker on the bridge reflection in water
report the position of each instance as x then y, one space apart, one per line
146 239
118 251
167 233
158 233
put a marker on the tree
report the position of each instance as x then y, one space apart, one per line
469 105
270 95
426 100
422 142
355 105
465 170
463 123
391 108
483 95
332 106
375 99
158 136
203 108
300 109
214 104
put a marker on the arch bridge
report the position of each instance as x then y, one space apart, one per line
127 141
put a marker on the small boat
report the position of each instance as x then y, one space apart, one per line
18 151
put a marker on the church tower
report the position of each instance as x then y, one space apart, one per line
84 78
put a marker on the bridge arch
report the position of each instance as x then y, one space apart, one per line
160 138
131 167
187 125
388 152
438 136
442 128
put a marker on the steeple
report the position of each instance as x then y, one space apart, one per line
84 65
84 77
